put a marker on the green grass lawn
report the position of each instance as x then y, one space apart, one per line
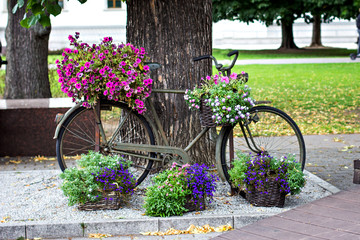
321 98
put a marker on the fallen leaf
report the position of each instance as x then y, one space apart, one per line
99 235
191 230
5 219
15 162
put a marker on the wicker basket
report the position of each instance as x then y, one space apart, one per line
190 204
109 201
206 115
274 198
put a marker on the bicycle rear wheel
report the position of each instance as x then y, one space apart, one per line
79 134
272 131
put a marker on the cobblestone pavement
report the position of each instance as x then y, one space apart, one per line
331 157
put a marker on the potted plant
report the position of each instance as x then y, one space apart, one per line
101 182
221 99
265 179
180 189
107 70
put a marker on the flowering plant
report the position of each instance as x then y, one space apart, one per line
102 173
253 172
228 97
174 186
116 72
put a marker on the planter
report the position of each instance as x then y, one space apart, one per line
109 201
274 198
206 115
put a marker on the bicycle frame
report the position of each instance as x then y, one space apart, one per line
126 148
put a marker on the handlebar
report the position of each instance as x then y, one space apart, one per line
225 70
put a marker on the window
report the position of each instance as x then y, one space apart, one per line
114 3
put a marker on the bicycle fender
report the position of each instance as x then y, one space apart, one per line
64 117
217 155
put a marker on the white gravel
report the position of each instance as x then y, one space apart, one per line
36 196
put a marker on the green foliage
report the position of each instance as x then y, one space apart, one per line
96 174
262 10
228 97
167 196
175 186
97 160
80 186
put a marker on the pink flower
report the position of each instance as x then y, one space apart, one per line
128 94
78 86
233 76
146 68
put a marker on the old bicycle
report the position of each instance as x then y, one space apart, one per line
113 128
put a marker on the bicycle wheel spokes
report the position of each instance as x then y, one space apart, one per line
80 133
269 130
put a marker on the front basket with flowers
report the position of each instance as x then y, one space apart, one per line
222 100
266 180
180 189
107 70
102 182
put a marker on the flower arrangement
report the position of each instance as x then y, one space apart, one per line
175 186
228 97
116 72
94 178
253 173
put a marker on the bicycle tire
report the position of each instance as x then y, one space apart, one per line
274 132
77 135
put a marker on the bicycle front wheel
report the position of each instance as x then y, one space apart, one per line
80 133
268 130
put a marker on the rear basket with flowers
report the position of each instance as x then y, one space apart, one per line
222 100
107 70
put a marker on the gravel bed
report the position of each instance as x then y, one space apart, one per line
36 196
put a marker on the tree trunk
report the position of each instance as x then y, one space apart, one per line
26 53
287 35
316 32
173 32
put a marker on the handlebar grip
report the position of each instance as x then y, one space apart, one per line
201 58
232 53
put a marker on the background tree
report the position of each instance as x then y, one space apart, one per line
26 53
325 11
173 32
283 13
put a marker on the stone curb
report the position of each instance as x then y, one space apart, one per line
31 230
45 229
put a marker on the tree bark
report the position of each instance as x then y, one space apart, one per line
316 32
287 36
173 32
26 53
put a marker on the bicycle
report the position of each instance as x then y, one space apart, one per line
113 128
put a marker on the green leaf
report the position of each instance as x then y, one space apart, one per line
21 3
33 19
25 23
53 9
45 20
15 8
36 9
